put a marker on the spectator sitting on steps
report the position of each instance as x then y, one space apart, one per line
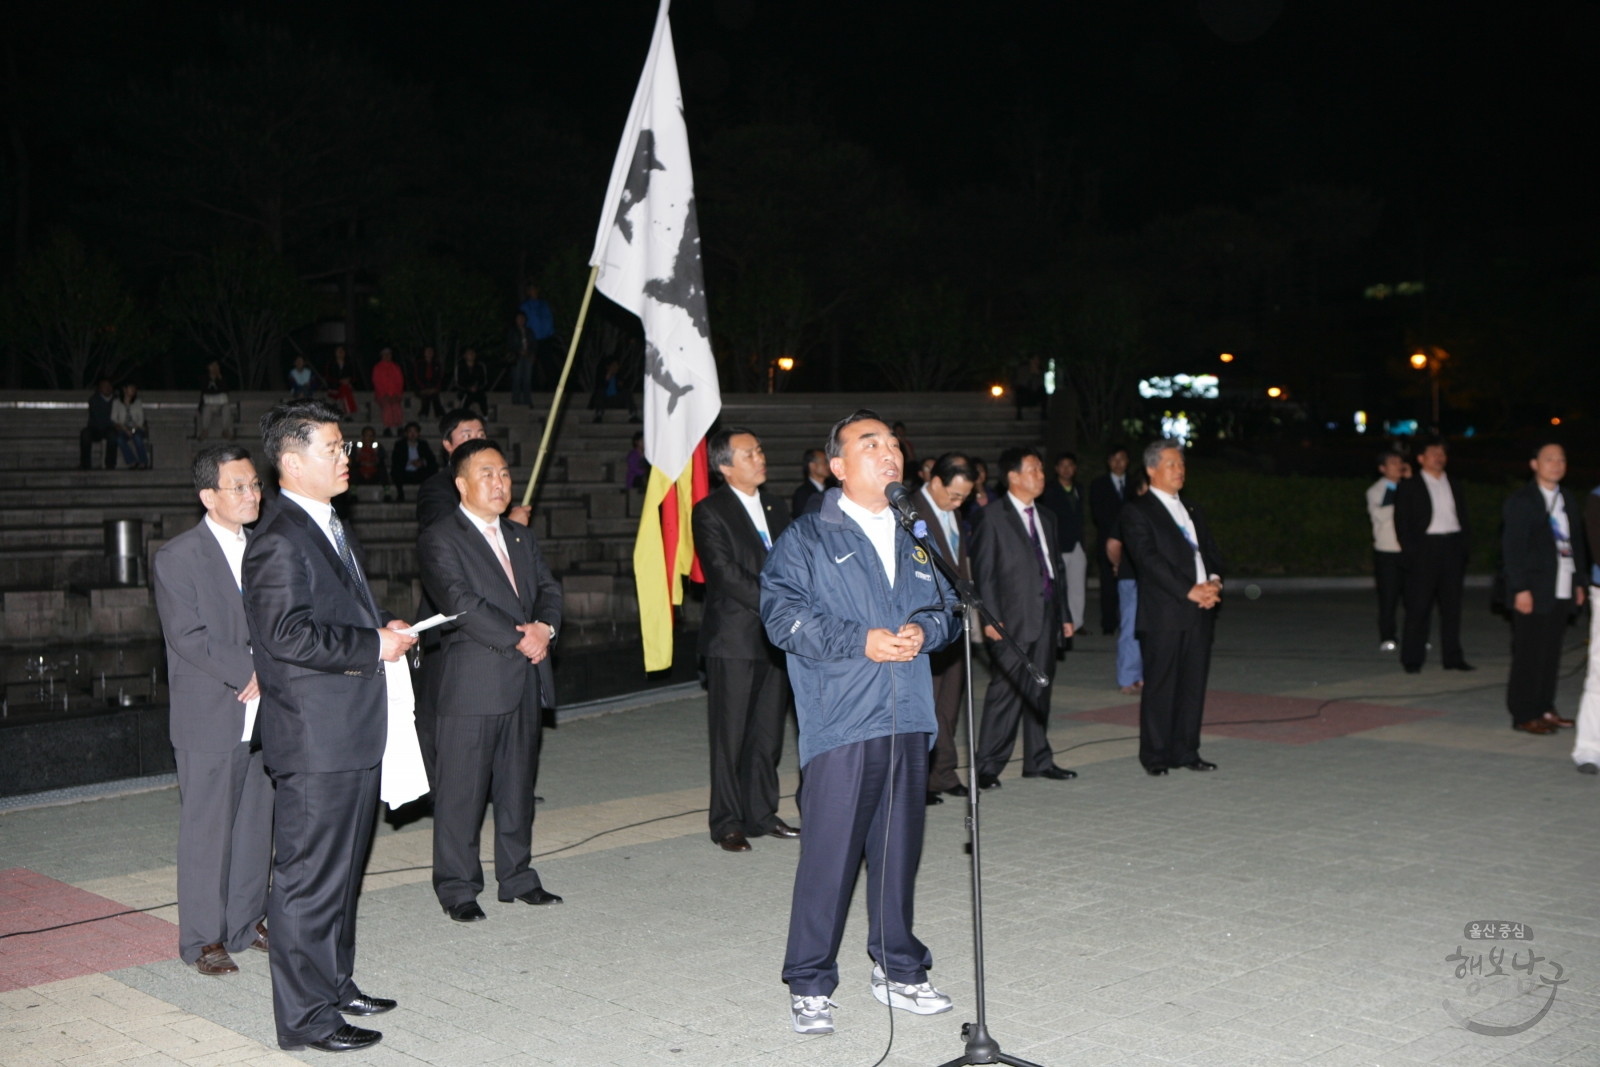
133 434
100 427
214 403
612 392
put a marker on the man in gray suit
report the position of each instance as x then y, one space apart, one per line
495 679
225 822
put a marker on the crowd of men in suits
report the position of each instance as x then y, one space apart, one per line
286 672
1421 533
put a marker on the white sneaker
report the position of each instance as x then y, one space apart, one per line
920 999
812 1015
1387 646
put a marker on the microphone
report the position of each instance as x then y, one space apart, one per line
900 499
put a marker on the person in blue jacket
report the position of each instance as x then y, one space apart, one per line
856 604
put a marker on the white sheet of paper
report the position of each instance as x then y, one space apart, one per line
428 624
250 709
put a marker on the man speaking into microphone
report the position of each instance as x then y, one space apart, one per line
855 603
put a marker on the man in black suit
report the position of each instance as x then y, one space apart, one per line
747 691
814 479
412 461
938 504
321 644
495 679
225 796
438 498
1107 494
1430 519
1546 563
1062 497
1016 566
1180 586
100 427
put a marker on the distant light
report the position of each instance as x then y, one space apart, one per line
1050 378
1226 357
1175 427
1361 422
785 363
1199 386
1274 392
997 390
1419 360
1470 431
1555 422
1403 428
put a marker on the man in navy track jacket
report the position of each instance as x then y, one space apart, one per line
856 603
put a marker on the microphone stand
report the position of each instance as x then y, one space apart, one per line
981 1046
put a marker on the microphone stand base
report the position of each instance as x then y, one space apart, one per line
982 1048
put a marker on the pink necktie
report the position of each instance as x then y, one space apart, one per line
494 544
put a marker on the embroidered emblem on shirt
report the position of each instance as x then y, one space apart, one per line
841 559
919 555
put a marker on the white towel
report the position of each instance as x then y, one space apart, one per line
404 777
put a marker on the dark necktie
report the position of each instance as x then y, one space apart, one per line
1047 587
348 558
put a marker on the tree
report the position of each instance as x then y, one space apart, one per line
763 315
240 305
1102 340
918 338
426 300
69 315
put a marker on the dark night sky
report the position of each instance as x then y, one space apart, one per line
1463 117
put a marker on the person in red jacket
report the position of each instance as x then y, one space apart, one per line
389 386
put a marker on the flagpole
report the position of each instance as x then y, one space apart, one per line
561 388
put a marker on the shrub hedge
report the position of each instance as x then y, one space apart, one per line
1293 525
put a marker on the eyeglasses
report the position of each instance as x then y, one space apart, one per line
333 452
251 488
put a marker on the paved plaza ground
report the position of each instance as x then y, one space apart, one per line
1296 906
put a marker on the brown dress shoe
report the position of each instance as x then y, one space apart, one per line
783 829
734 842
1534 726
215 961
260 943
1556 720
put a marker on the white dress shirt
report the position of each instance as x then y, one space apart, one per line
879 529
1119 480
1180 515
1038 520
233 546
480 524
947 522
1555 505
757 513
1445 520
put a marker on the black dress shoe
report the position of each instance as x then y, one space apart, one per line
536 896
466 912
1055 774
958 790
934 798
784 830
345 1039
1155 772
1462 666
734 842
1198 764
365 1005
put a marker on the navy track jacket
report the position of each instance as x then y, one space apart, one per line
822 589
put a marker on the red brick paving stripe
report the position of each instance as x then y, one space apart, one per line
1224 710
29 900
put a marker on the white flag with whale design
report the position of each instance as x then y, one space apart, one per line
648 252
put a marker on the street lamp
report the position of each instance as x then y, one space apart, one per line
1432 360
997 391
1226 357
782 363
1274 392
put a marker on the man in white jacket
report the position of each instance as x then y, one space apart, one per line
1386 559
